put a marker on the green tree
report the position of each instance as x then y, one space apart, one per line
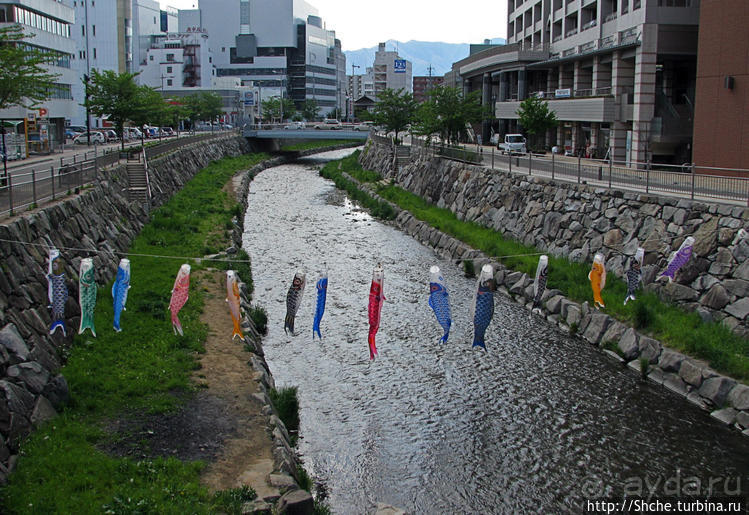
116 96
535 116
205 106
395 110
23 79
276 108
148 108
310 109
448 112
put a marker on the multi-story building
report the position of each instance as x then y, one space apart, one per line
148 21
279 45
51 22
619 74
179 60
422 85
721 129
390 71
103 36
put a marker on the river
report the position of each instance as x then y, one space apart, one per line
539 422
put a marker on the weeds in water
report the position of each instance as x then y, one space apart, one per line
574 328
644 367
259 317
303 479
286 403
311 145
469 269
377 208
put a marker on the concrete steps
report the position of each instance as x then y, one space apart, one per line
137 182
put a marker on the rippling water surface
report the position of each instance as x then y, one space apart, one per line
539 422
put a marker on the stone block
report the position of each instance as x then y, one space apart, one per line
553 305
725 415
596 328
32 374
649 349
742 419
739 309
43 411
57 392
283 482
670 361
13 342
674 383
716 297
738 397
716 389
614 332
628 344
296 502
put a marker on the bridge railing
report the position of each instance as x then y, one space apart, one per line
36 184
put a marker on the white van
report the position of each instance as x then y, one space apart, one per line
513 144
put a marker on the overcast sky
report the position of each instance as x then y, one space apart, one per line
364 24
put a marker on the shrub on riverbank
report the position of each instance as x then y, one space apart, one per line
376 208
680 330
286 402
145 369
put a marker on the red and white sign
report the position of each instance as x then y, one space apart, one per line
43 112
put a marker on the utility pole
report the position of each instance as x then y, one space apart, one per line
87 76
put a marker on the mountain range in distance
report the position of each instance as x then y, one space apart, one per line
422 54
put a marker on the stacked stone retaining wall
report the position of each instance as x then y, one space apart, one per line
577 220
102 223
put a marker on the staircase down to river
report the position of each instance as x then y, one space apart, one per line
137 182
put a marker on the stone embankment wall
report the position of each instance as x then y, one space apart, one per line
102 223
472 192
576 221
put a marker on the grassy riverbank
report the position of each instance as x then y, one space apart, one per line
678 329
75 463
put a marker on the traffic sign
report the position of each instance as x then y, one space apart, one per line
43 112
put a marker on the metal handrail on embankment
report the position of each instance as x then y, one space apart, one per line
695 182
20 190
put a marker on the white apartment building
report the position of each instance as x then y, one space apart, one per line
103 36
390 71
619 74
51 22
179 60
148 21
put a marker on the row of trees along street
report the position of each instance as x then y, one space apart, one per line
26 82
448 113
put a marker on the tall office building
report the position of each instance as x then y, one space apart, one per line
103 36
178 60
51 22
422 85
619 74
390 71
281 46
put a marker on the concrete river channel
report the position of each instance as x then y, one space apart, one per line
539 422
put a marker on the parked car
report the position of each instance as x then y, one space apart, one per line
363 126
151 132
329 124
132 133
110 135
167 131
96 138
70 133
512 144
295 126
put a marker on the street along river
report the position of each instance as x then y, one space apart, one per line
539 422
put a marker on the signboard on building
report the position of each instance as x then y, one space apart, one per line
399 65
563 93
249 98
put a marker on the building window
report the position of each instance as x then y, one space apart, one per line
170 58
150 58
94 53
210 59
169 82
223 49
169 69
93 27
83 30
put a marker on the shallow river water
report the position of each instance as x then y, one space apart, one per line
538 423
